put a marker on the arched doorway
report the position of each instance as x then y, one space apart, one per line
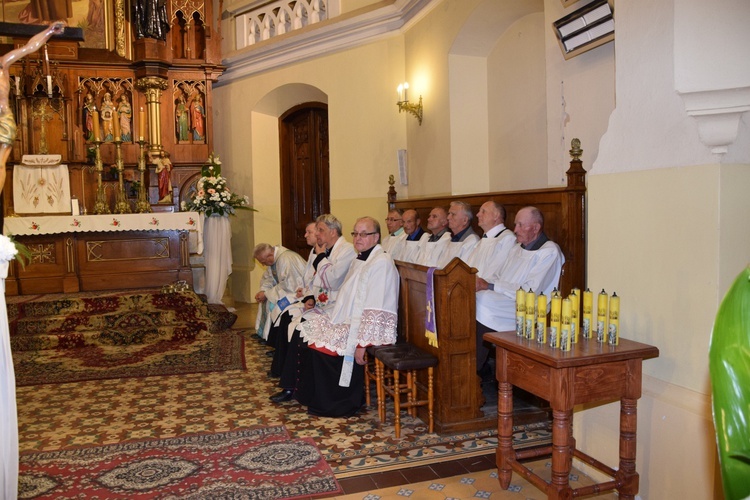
305 187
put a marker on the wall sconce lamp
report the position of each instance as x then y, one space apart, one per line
586 28
404 104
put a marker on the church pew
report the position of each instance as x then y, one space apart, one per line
458 396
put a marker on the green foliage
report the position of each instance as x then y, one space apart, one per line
729 365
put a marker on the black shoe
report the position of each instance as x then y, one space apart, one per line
280 397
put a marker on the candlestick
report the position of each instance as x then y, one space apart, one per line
530 314
95 116
588 305
601 317
142 123
520 311
565 325
575 303
142 205
614 319
541 314
554 320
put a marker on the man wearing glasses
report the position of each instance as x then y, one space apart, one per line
395 224
331 381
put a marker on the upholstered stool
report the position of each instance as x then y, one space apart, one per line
397 359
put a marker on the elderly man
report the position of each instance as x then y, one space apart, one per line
324 276
490 253
464 238
278 285
294 310
407 249
432 248
394 222
332 378
534 263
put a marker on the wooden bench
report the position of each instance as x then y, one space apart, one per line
458 395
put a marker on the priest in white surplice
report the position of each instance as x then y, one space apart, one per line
463 239
431 249
395 224
407 249
490 253
332 379
278 285
324 276
533 263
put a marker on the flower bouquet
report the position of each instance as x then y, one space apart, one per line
212 196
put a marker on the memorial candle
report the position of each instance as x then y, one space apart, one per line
601 317
614 320
588 306
575 307
541 314
565 324
520 311
530 314
554 320
95 120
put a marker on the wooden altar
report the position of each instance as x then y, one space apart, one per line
102 252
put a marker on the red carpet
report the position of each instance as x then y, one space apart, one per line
255 463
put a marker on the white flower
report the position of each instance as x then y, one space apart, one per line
8 249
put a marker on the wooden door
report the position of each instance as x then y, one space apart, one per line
305 188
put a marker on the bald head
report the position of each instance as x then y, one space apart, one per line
528 225
411 221
490 214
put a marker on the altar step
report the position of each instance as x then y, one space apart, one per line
62 321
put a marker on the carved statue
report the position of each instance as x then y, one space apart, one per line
125 110
150 18
182 120
7 121
88 117
108 115
197 116
164 173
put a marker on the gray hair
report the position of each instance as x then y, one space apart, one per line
261 248
465 208
331 222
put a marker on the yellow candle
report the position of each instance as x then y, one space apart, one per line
575 306
601 317
530 314
95 119
554 320
142 123
565 325
541 314
588 306
116 126
614 319
520 311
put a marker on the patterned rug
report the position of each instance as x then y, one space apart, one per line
217 352
255 463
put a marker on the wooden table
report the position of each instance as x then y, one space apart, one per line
590 372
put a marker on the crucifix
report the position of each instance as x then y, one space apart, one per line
39 110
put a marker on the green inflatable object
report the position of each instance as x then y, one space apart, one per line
729 365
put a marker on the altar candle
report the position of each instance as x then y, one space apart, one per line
588 305
17 79
49 85
554 320
565 324
575 308
142 122
614 319
520 311
601 317
541 314
95 120
116 126
530 314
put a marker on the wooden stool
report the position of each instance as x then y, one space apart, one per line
409 359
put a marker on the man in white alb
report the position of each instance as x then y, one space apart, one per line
431 249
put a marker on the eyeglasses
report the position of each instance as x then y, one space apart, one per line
362 235
392 220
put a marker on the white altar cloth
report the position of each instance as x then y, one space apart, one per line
57 224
